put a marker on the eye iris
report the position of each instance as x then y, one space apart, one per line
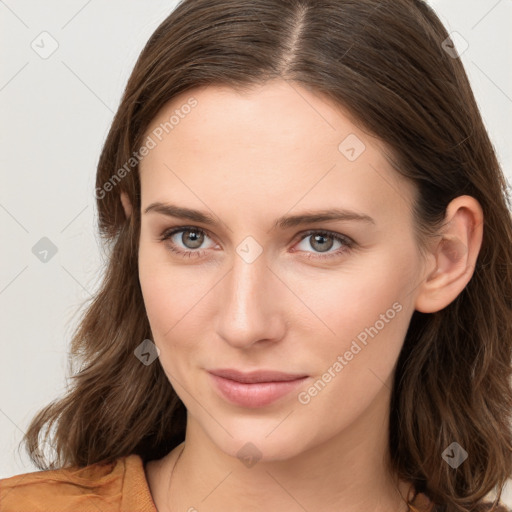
323 247
192 236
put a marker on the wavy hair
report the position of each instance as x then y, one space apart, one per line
385 62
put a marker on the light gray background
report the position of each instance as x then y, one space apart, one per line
55 116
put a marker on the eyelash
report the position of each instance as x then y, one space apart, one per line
346 241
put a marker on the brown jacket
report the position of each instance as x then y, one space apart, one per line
120 486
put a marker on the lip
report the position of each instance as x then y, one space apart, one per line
256 376
254 389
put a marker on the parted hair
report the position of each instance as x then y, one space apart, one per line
386 63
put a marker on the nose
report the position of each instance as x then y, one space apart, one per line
251 309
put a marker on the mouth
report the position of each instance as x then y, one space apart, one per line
256 376
254 389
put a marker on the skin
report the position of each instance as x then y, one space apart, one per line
248 159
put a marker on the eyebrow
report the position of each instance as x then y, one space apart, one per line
285 222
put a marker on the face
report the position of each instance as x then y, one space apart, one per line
329 301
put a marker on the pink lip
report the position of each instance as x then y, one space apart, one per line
257 375
254 389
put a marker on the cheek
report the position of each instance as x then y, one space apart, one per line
166 308
370 317
162 292
173 296
368 313
356 299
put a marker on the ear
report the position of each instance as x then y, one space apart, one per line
127 205
455 255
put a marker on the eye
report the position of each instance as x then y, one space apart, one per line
192 238
319 240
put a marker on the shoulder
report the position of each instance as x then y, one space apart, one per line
118 486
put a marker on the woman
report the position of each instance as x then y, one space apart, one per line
302 308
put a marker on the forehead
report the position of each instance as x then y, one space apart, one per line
276 144
255 116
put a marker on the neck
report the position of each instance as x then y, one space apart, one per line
298 485
348 472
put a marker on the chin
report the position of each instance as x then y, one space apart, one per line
266 441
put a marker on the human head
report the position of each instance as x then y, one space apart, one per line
436 140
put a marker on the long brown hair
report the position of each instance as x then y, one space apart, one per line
385 63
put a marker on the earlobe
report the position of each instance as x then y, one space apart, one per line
127 206
455 255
